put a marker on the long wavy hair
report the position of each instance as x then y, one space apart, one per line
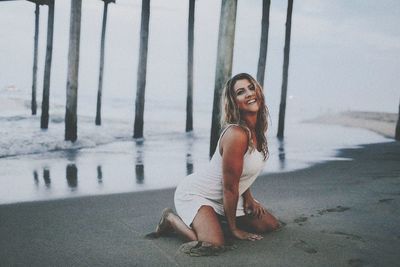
231 112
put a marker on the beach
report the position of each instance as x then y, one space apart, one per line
342 212
379 122
333 180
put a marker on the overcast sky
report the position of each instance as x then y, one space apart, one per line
344 54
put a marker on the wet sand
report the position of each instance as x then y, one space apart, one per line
338 213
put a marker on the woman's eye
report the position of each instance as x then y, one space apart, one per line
239 92
252 88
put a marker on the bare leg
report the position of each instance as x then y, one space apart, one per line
207 226
170 221
267 223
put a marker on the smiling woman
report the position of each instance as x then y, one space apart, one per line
221 192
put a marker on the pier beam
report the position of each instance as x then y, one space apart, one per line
282 106
189 98
262 59
226 40
142 69
71 118
35 59
101 70
44 119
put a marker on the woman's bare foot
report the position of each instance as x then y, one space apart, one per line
164 226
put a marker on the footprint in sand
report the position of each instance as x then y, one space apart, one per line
355 263
300 220
302 245
201 248
346 235
337 209
385 200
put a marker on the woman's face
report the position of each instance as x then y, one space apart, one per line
246 96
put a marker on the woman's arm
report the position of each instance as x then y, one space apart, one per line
251 206
247 196
234 146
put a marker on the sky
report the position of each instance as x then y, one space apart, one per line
345 55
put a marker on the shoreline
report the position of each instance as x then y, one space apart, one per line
382 123
128 167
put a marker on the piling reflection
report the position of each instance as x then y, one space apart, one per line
46 177
139 162
36 178
71 154
99 175
72 176
281 154
189 157
189 164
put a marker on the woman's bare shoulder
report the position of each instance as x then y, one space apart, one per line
236 136
235 131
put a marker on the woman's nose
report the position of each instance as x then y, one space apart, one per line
249 93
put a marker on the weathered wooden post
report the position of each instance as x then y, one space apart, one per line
282 106
397 133
189 98
142 69
44 119
71 120
35 59
262 59
100 89
226 40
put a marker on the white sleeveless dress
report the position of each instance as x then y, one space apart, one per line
205 186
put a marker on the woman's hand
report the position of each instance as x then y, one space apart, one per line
253 208
243 235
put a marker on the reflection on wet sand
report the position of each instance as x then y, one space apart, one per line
72 176
99 175
189 164
70 170
139 162
36 177
189 158
281 154
46 177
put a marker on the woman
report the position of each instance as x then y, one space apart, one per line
223 189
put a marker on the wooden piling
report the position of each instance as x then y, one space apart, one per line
44 119
262 59
101 70
142 69
71 119
189 98
226 39
282 106
35 59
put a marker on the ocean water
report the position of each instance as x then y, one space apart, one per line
38 164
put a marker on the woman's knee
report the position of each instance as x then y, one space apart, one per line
207 226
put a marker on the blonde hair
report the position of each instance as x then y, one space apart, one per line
231 112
